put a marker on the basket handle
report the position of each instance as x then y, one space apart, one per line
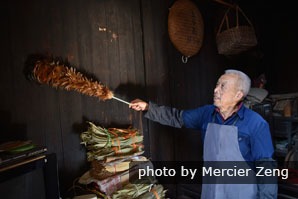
238 8
225 18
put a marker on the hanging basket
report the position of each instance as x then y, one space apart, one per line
238 39
186 27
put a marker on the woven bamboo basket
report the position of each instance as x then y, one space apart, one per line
235 40
186 27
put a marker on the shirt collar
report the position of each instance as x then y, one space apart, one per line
239 112
241 109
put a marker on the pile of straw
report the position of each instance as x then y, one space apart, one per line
115 156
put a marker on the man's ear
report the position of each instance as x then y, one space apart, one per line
239 95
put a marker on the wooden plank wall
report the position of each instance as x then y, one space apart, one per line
102 38
279 41
125 45
122 43
191 86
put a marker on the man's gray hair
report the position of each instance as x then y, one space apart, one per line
243 79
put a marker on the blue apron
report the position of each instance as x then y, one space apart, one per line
221 144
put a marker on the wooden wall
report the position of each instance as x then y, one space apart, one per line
279 42
104 38
73 31
133 56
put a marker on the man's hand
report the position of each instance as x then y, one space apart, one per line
138 105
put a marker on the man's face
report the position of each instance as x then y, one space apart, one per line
226 92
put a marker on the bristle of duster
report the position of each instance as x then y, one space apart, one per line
58 75
30 64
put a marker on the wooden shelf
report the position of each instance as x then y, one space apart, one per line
48 162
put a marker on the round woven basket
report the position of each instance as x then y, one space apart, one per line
186 27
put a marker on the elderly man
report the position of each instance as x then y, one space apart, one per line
230 131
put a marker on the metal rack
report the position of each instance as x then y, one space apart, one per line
284 128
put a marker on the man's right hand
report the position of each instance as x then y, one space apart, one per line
138 105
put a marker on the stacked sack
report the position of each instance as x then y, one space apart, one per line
112 152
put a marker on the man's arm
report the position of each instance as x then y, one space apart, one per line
267 186
161 114
262 151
